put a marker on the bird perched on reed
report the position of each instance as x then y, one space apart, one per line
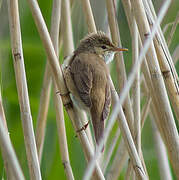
87 78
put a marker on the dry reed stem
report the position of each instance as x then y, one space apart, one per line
136 90
136 93
168 124
58 76
6 162
161 38
160 147
126 135
46 87
165 28
145 111
88 16
29 138
166 65
118 163
175 55
43 111
163 164
131 146
130 19
169 39
8 154
119 160
144 68
173 92
62 135
145 71
55 23
154 115
136 97
131 76
120 66
124 129
66 26
2 114
129 171
110 151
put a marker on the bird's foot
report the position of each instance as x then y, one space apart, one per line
63 94
68 103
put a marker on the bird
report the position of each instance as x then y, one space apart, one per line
87 78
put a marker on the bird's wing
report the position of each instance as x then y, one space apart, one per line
107 102
82 77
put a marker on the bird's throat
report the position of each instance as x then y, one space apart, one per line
109 57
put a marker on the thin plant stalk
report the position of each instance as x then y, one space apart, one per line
129 171
119 59
121 154
62 135
9 174
175 55
29 138
118 163
166 64
136 90
110 151
150 9
121 157
88 16
168 78
136 94
164 167
127 136
8 154
145 111
174 26
66 26
2 111
169 128
43 111
159 145
58 76
55 23
165 28
46 87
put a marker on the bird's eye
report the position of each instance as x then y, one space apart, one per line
103 47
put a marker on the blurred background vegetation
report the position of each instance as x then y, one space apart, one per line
35 60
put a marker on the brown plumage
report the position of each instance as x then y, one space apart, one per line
87 78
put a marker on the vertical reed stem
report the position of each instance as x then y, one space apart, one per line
21 83
163 163
168 124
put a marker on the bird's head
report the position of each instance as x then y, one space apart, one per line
99 44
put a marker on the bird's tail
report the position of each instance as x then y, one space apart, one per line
98 126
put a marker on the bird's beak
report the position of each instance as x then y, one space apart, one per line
118 49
